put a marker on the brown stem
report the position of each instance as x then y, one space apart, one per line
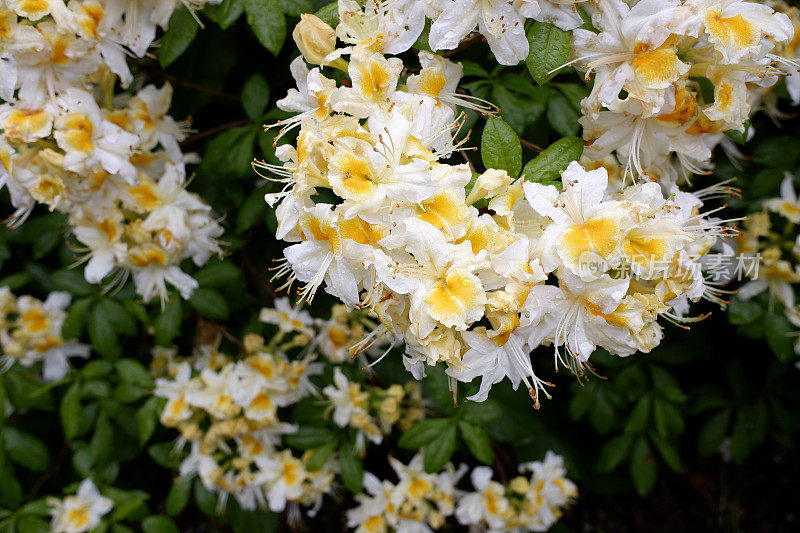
213 131
186 84
465 43
530 146
467 160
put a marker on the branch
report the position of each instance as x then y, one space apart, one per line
465 43
530 146
190 84
213 131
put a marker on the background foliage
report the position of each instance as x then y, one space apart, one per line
700 433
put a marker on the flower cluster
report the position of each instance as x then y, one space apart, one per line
373 411
393 27
423 502
472 271
228 413
111 163
671 76
30 333
776 256
81 512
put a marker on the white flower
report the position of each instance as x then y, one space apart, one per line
81 512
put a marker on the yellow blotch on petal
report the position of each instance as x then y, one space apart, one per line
321 230
656 69
78 518
77 132
363 233
644 249
444 211
375 77
34 321
431 83
734 30
24 125
148 256
451 297
357 183
598 235
146 195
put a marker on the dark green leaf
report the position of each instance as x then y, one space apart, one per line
549 49
25 449
102 444
178 495
225 13
76 318
210 303
637 421
744 311
643 467
739 137
780 335
614 452
70 411
500 147
439 450
251 210
352 469
72 282
268 23
562 115
477 441
294 8
168 323
668 453
423 432
320 456
553 160
713 432
255 96
179 35
159 524
309 437
329 14
102 333
778 152
147 419
121 320
132 371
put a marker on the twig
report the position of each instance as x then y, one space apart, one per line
467 160
213 131
191 85
465 43
530 146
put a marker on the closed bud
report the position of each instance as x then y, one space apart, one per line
489 184
314 38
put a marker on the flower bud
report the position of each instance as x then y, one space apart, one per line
314 38
489 184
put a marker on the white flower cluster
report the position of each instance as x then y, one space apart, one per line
393 27
373 411
80 512
228 413
655 65
385 225
112 163
30 332
422 502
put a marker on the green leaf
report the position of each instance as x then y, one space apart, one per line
668 453
250 211
554 160
644 469
102 333
11 494
225 13
739 137
777 152
70 411
500 147
309 437
179 35
439 450
637 421
352 469
164 454
255 96
477 441
481 412
713 432
320 456
780 336
168 323
423 432
72 282
231 152
147 419
121 320
25 449
126 502
96 369
178 496
210 303
205 499
32 524
159 524
614 452
549 49
219 274
562 115
76 318
294 8
268 23
102 444
329 14
742 312
132 371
